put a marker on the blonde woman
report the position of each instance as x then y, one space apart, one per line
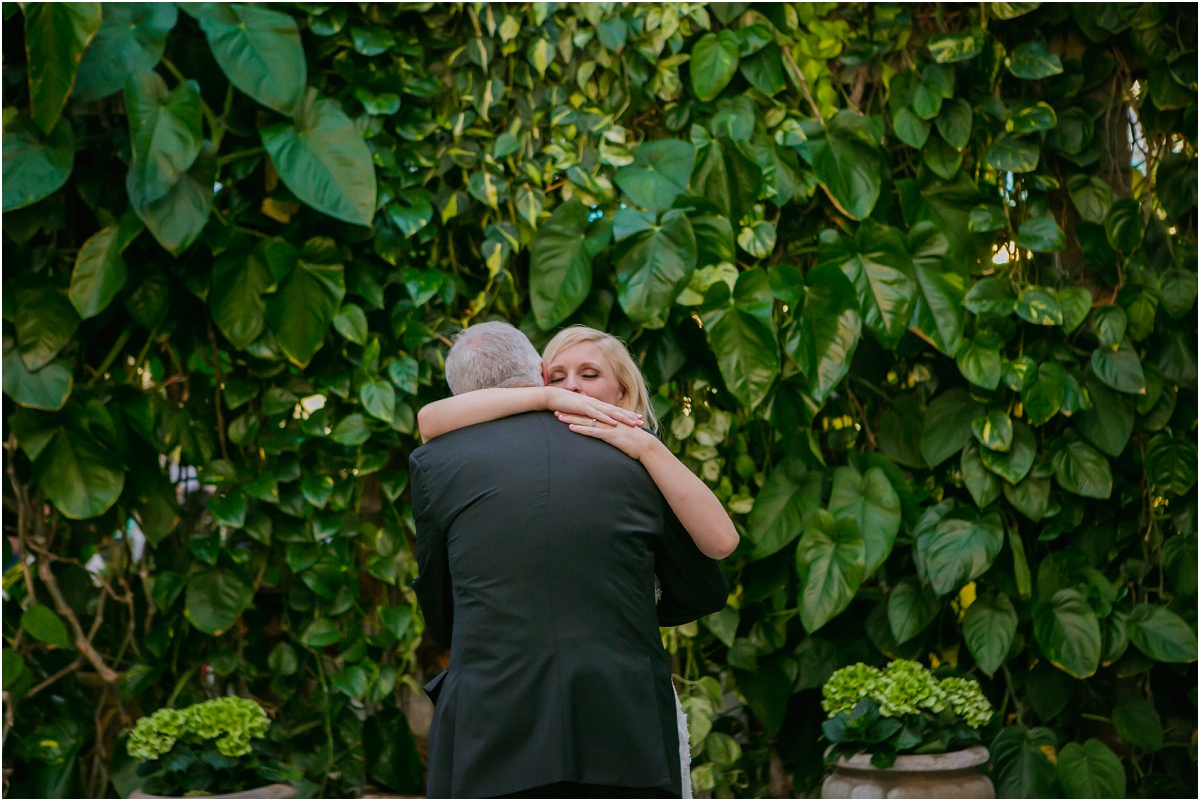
605 397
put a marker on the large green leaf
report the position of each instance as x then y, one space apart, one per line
560 263
1124 226
872 502
1120 368
947 426
954 123
983 484
47 388
829 566
1014 464
742 337
659 173
1137 722
790 496
1092 196
1030 497
993 295
300 312
35 166
81 477
653 266
827 334
238 283
877 263
215 599
765 71
1171 464
164 130
1041 235
1022 762
100 270
948 48
980 363
259 50
1033 61
45 322
910 129
1177 291
725 176
714 63
1039 306
1011 154
323 160
391 756
56 34
1109 423
911 607
178 218
1161 634
1081 469
131 39
960 548
1090 770
849 165
938 312
13 667
989 626
1044 392
40 622
993 430
1068 633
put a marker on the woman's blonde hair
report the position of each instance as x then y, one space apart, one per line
625 370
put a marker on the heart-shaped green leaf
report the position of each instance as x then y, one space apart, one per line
259 50
989 626
323 160
829 565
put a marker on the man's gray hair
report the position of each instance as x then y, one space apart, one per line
492 355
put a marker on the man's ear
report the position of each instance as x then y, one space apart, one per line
545 375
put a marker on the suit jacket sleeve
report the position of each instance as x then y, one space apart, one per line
692 584
432 584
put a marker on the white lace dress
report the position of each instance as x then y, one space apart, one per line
685 744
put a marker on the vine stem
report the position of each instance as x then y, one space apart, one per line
113 352
84 645
787 53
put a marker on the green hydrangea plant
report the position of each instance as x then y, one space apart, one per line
212 747
900 709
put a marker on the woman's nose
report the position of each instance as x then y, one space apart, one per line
570 384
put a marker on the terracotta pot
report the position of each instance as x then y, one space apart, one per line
952 775
269 791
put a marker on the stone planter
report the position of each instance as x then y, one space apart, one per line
269 791
953 775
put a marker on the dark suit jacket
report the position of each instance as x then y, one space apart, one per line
537 552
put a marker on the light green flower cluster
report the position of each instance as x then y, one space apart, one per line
231 721
156 734
908 688
968 701
849 685
905 688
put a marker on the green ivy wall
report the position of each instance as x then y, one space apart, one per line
914 284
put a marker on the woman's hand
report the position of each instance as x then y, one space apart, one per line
562 401
633 442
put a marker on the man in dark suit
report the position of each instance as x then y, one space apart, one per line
537 553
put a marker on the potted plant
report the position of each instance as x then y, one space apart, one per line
215 748
902 732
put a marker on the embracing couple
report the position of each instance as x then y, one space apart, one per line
555 534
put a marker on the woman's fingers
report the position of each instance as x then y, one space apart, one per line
586 422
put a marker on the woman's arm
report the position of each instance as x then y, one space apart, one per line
690 498
482 405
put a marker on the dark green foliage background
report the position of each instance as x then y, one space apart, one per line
905 305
